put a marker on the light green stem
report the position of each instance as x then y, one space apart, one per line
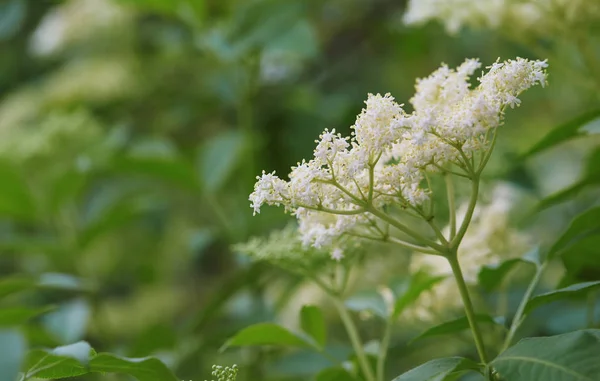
469 310
354 339
451 205
520 314
383 349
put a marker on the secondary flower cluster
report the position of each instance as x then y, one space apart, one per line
386 159
540 17
225 373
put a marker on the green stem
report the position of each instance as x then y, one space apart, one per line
451 206
383 349
467 220
519 315
469 310
354 339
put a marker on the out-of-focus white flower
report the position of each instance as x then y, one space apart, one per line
75 20
390 151
489 240
515 16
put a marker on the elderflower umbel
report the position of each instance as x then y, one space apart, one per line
225 373
488 241
344 186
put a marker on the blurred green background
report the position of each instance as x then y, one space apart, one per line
131 132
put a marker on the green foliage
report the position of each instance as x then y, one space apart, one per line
439 369
454 326
571 356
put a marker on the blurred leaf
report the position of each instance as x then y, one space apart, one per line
14 284
411 288
218 158
313 323
12 14
12 316
62 282
439 369
581 260
174 172
266 334
568 357
591 176
583 226
334 374
563 293
16 199
564 132
491 276
453 326
61 362
70 321
12 354
144 369
370 301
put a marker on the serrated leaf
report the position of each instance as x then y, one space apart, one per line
585 225
571 356
313 324
61 362
412 288
453 326
439 369
563 293
143 369
564 132
267 334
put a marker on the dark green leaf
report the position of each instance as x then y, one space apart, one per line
491 276
144 369
19 315
219 157
585 225
12 354
563 293
453 326
313 323
267 334
439 369
571 356
16 199
564 132
412 288
15 284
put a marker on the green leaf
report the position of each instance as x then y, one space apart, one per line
590 177
571 356
439 369
491 276
12 354
61 362
564 132
453 326
171 171
16 200
218 159
15 284
313 323
19 315
69 322
334 374
370 301
267 334
585 225
144 369
412 288
563 293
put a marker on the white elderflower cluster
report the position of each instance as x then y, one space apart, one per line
489 240
349 179
529 16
